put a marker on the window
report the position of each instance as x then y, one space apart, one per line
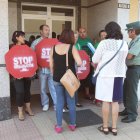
61 11
39 10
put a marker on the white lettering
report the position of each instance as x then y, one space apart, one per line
45 53
15 61
82 67
23 63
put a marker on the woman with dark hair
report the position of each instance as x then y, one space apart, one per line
22 85
58 69
109 84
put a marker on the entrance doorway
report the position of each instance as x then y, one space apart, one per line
57 17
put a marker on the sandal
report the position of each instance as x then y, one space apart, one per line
112 130
102 129
30 113
21 116
99 104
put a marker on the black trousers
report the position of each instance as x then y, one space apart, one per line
23 94
87 82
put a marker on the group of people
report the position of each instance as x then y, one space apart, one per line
108 60
115 81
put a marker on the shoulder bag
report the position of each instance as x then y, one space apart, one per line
69 80
94 78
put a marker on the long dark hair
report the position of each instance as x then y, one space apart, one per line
17 34
113 31
67 36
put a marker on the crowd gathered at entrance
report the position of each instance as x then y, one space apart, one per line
114 74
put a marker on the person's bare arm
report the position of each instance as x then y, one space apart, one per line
130 56
76 56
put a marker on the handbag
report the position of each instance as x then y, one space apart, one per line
94 78
69 80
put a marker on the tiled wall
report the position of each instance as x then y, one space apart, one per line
3 29
4 46
5 109
12 16
4 83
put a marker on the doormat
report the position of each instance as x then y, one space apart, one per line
84 118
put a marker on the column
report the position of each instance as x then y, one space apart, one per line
5 107
138 9
19 18
123 16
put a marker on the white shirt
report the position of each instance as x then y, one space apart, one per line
104 52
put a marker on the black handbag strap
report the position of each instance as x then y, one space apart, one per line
111 58
67 58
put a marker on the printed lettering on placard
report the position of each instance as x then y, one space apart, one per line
23 63
46 54
82 67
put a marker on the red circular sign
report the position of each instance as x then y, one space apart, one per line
84 69
21 61
43 51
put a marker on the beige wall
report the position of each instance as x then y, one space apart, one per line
134 10
84 13
100 15
12 16
90 2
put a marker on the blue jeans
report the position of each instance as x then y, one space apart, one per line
61 93
44 80
76 97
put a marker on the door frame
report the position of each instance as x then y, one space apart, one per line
48 17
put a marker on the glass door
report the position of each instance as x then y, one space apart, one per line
32 17
59 25
62 17
31 26
57 17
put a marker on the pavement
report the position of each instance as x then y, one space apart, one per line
41 126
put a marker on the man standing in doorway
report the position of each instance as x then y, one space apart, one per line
102 36
85 43
133 74
45 74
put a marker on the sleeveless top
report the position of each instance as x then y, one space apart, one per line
60 64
